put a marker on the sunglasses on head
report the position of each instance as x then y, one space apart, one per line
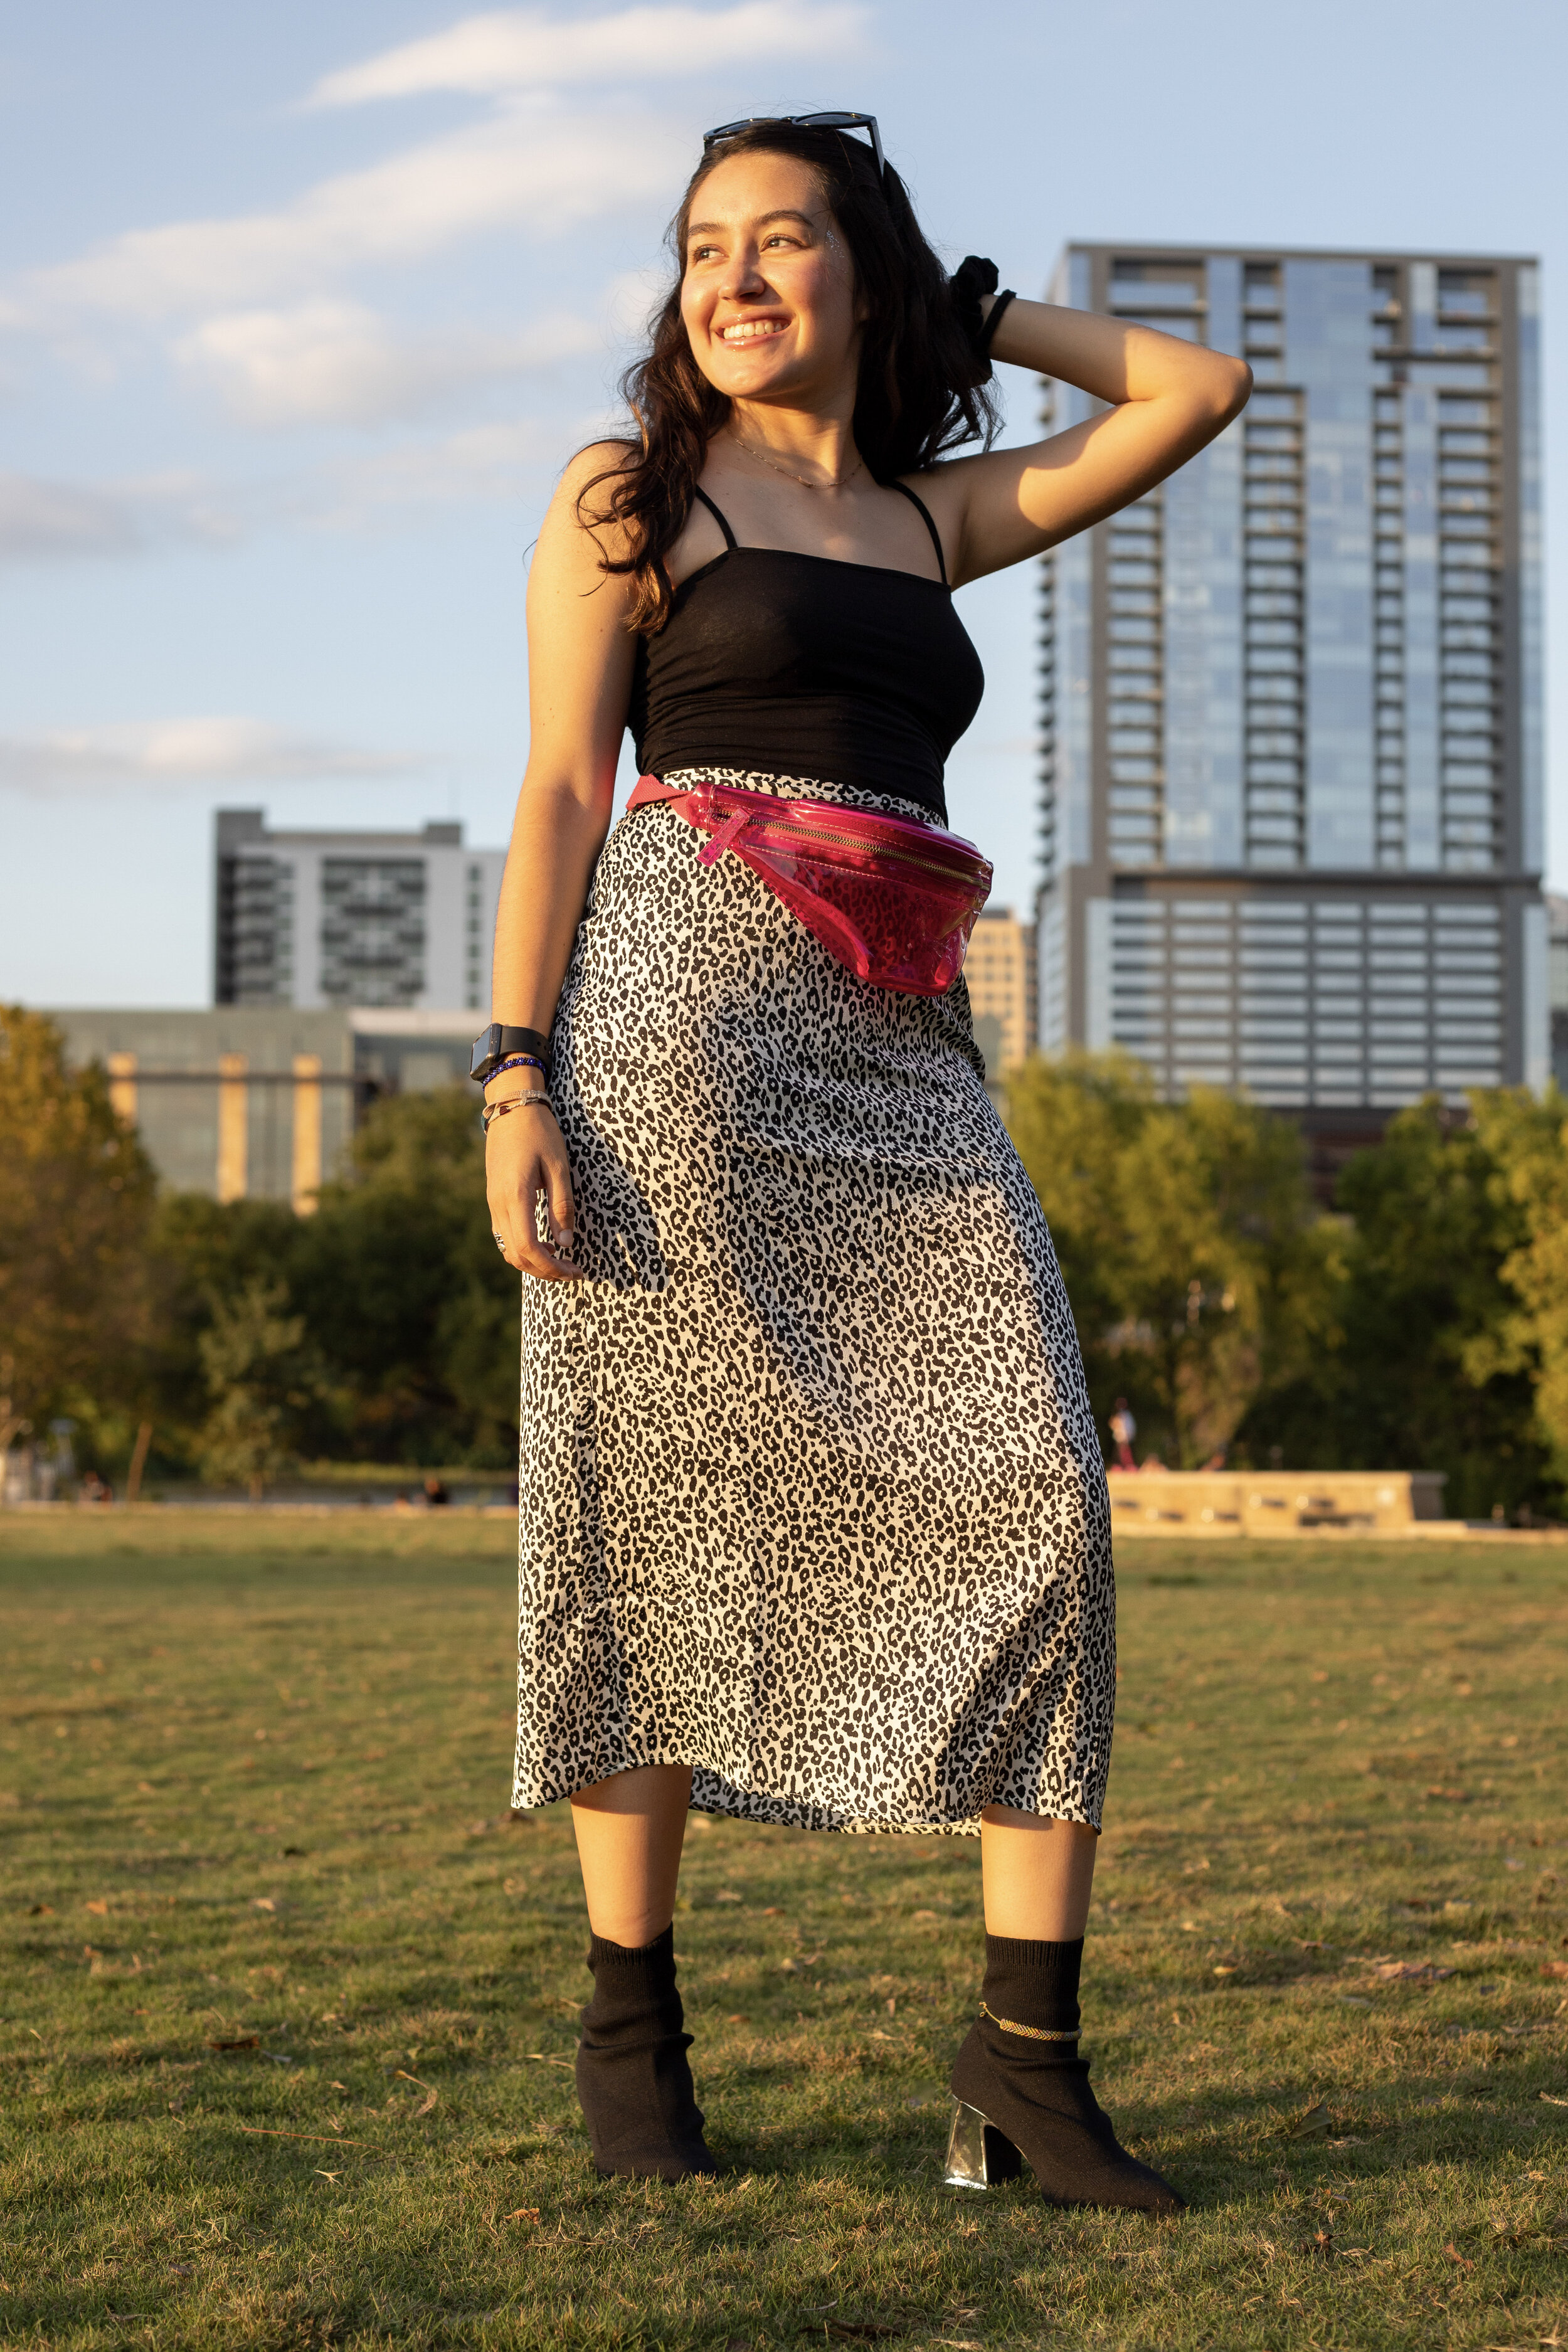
832 121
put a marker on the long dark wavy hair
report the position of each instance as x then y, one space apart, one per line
923 390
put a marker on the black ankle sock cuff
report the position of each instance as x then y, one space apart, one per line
603 1953
1051 1959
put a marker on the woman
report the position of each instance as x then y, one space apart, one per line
813 1518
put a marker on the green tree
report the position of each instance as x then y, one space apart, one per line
1526 1137
1437 1370
76 1195
404 1289
265 1380
1201 1278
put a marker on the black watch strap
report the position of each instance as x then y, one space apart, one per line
493 1044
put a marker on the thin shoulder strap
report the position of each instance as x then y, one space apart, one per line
731 541
924 512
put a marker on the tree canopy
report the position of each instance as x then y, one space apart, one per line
76 1198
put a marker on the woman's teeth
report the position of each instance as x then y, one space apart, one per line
746 330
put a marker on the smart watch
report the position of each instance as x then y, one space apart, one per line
493 1044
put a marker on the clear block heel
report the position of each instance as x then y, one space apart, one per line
978 2155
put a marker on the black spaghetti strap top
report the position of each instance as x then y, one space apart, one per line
802 666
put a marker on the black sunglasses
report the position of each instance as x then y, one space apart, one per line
829 122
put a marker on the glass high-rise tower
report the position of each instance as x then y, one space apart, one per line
1292 777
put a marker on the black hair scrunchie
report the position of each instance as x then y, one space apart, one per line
974 277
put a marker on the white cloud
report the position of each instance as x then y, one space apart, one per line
171 754
521 48
529 165
493 463
522 169
488 463
337 363
40 520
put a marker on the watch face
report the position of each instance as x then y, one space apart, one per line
485 1050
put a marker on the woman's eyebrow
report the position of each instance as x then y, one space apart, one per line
783 212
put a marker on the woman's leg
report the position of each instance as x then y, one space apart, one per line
633 2078
630 1829
1019 2074
1038 1874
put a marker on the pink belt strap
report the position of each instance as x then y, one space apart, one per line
893 901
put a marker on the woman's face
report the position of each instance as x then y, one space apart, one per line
768 285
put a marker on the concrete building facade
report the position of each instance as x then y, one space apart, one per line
999 972
1292 787
257 1102
318 919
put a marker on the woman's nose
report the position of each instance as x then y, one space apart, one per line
745 278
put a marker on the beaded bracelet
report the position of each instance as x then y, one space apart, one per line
520 1061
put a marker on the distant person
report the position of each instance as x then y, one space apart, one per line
814 1528
436 1495
96 1489
1123 1430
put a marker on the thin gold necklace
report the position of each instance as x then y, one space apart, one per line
789 476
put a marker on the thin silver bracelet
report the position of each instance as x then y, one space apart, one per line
514 1102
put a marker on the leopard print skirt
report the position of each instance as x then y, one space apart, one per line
811 1494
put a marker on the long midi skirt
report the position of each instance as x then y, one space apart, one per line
811 1497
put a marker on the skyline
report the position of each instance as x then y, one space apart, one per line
299 318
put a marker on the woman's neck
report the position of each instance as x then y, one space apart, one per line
814 447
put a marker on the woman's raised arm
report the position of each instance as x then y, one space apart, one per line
580 654
1166 398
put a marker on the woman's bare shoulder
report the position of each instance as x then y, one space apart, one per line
583 499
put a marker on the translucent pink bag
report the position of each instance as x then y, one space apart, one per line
892 900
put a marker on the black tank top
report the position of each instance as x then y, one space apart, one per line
842 672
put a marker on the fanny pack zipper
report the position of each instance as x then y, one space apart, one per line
849 841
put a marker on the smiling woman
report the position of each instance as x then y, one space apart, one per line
813 1521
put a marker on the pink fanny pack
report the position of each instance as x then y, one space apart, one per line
893 900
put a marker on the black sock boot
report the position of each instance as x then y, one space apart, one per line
632 2080
1024 2090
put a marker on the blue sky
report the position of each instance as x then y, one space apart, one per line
302 306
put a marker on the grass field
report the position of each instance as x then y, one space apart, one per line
253 1793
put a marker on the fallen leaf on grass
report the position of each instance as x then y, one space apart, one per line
1555 1968
1456 2256
1410 1972
41 1911
263 1903
1314 2123
524 2213
98 1906
426 2104
545 2061
1552 2099
240 2041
